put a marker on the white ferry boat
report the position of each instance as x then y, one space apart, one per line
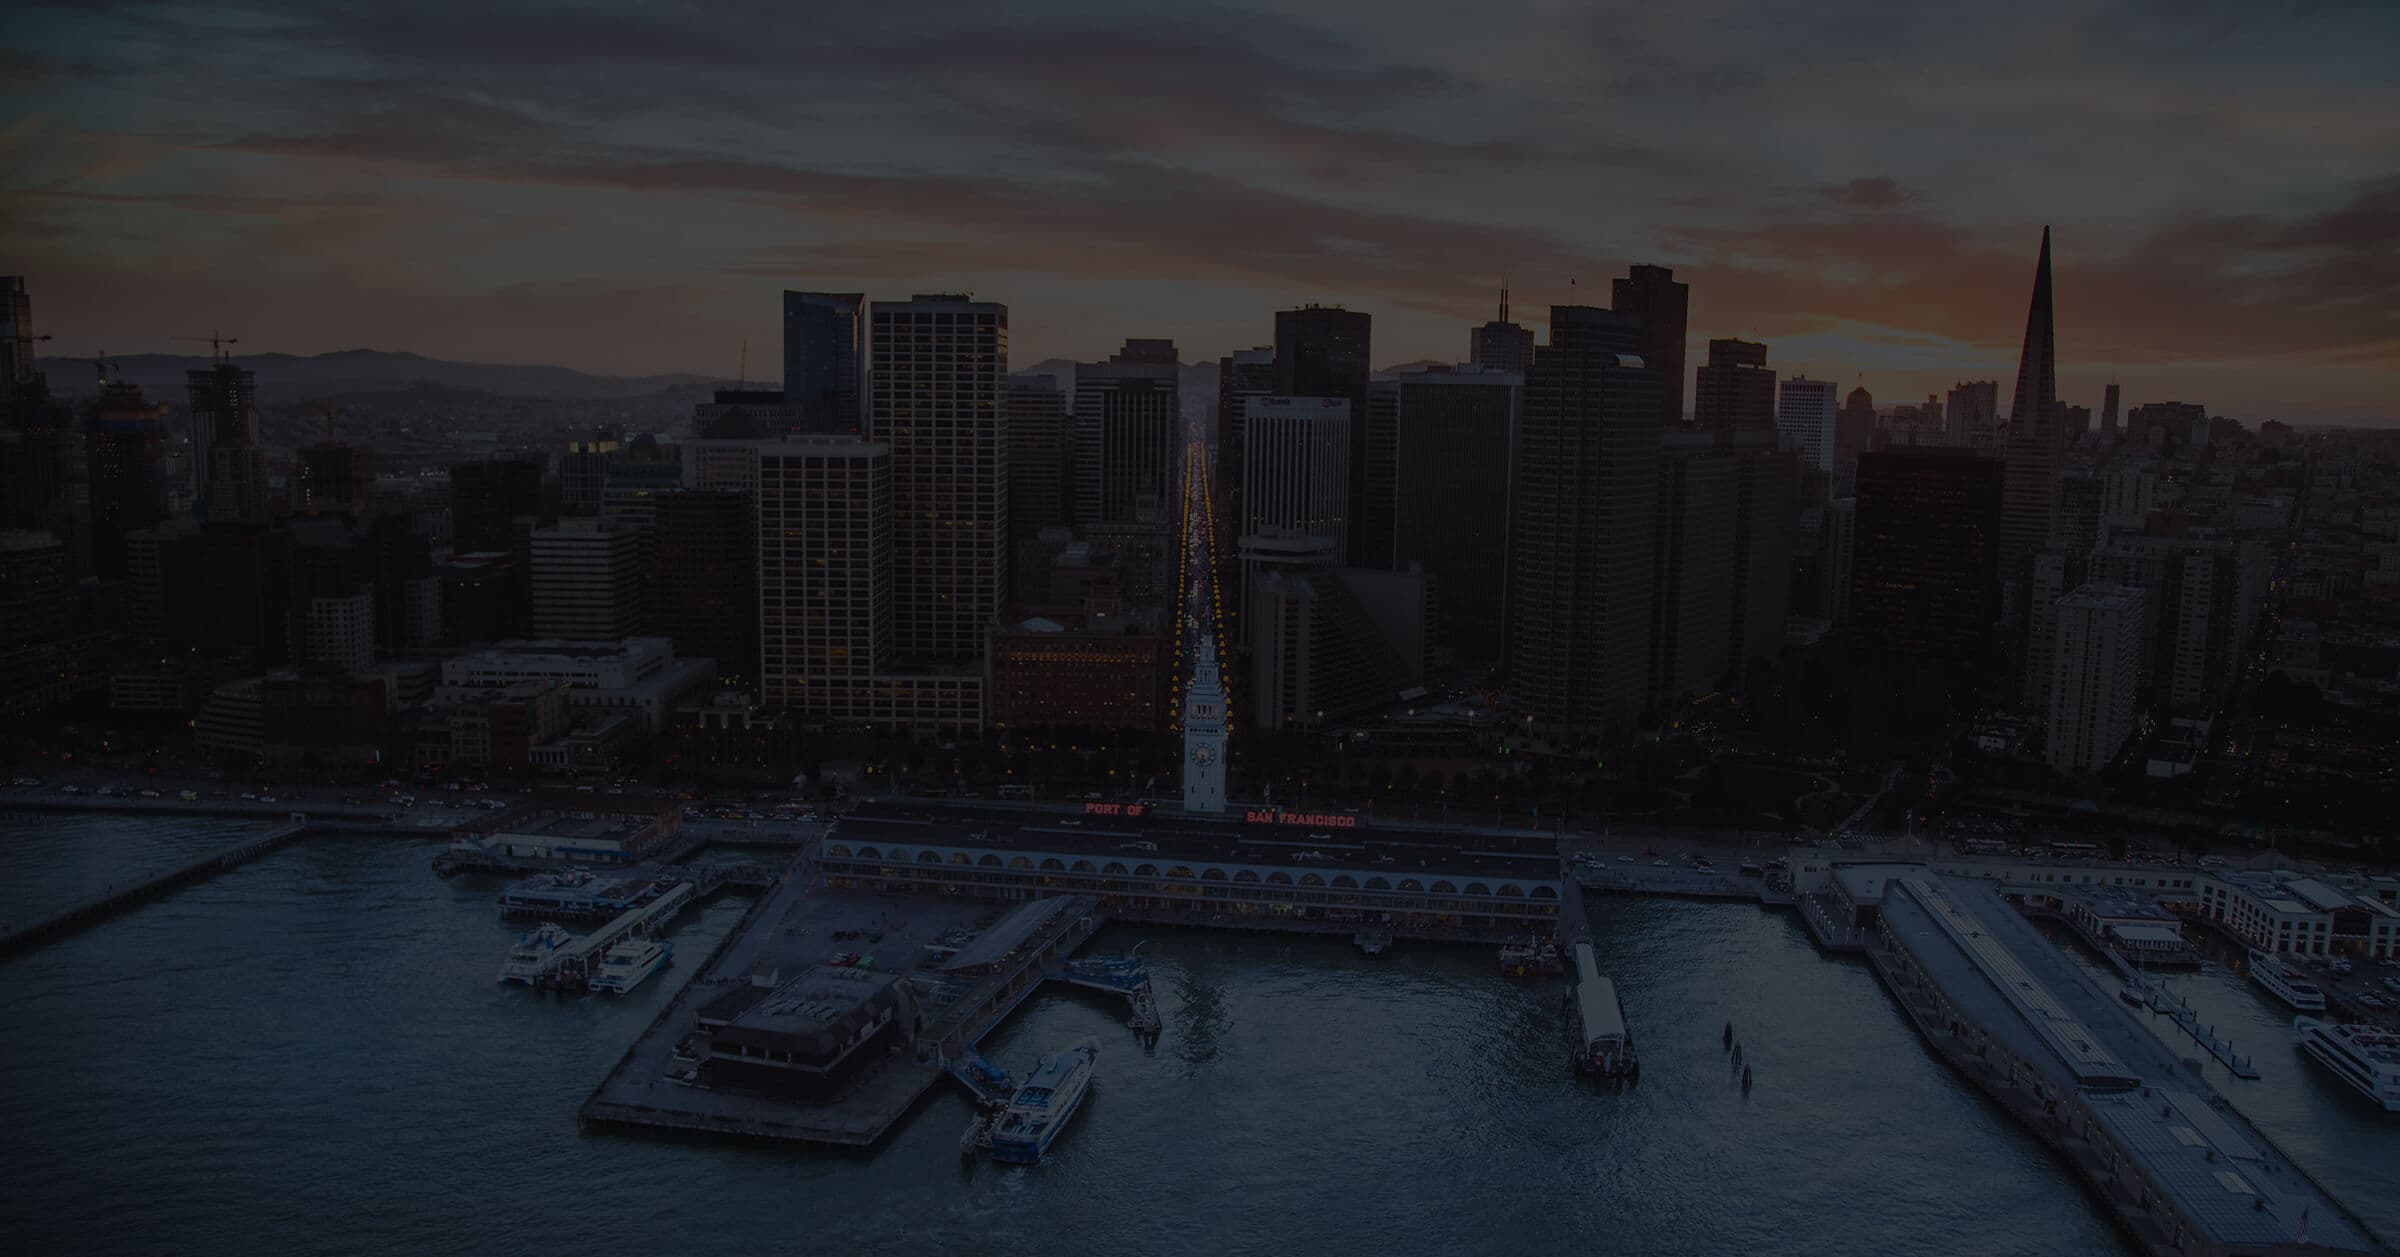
2285 982
530 958
1045 1104
2366 1057
629 962
1601 1043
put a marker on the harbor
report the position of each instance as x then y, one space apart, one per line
1255 1027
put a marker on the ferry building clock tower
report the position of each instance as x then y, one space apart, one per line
1204 734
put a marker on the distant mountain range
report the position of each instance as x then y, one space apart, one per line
285 378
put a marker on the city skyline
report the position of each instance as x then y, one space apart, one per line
1184 175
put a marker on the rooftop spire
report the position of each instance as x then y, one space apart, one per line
2037 367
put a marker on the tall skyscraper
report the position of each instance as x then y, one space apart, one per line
1972 418
1295 490
1040 456
1323 351
332 603
1923 583
1241 376
1854 427
2036 444
1765 511
1501 345
1652 294
1583 512
1692 594
2092 686
1457 432
331 476
1128 433
1804 421
703 587
587 581
229 469
583 473
2108 414
129 472
940 383
825 360
486 501
16 335
1735 392
825 575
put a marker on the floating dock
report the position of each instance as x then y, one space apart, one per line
111 899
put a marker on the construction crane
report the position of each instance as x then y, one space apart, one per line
216 343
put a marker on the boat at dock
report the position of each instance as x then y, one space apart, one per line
1373 942
530 959
2286 982
2366 1057
1042 1107
1601 1043
629 962
1525 956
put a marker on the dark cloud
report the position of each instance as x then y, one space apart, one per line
1879 192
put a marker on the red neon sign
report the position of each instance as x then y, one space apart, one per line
1115 809
1312 820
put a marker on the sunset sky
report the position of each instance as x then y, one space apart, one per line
625 188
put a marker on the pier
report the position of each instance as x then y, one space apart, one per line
958 993
569 967
113 898
2178 1169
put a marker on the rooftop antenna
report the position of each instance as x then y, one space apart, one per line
1504 298
741 379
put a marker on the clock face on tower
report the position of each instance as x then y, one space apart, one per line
1203 756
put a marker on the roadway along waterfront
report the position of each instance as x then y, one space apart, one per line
310 1052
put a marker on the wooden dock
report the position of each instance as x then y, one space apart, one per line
124 895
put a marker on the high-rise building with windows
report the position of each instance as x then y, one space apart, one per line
1040 457
1323 351
703 588
940 387
229 468
1653 295
487 501
2092 686
331 476
825 575
1295 485
129 471
1501 345
1971 417
587 581
1583 515
1734 392
1924 557
1128 433
1457 431
1804 421
825 360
